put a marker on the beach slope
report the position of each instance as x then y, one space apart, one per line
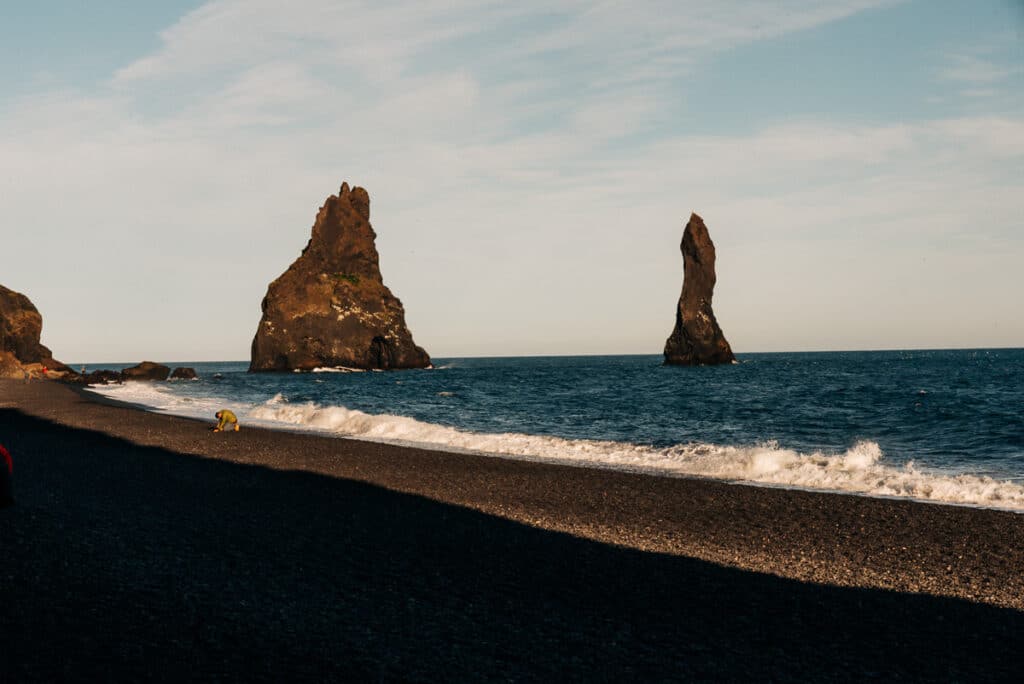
145 546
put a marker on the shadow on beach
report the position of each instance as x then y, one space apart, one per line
127 562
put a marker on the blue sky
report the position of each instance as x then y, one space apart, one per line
530 168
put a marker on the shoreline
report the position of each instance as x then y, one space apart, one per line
541 460
679 561
938 476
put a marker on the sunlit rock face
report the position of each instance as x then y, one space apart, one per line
20 328
697 340
331 307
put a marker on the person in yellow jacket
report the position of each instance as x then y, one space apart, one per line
227 419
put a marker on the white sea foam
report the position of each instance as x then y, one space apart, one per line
337 369
861 469
164 399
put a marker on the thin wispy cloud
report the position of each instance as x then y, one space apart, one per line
975 70
576 46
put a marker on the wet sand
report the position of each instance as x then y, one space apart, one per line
146 546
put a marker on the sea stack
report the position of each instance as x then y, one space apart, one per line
20 328
697 340
331 307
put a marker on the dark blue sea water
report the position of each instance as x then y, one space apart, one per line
943 425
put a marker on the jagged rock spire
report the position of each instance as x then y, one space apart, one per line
697 340
331 307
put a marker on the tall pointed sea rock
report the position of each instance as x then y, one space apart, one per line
331 307
697 340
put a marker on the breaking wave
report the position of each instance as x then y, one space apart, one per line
860 469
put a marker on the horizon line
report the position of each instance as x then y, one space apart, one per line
599 355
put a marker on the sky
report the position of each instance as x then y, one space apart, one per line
531 166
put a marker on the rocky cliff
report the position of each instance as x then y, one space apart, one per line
331 307
697 340
20 328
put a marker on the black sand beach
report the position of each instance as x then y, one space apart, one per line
146 547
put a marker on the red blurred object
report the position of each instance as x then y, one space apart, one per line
6 475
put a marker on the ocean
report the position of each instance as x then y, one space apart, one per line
945 426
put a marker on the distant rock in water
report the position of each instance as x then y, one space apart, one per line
20 328
183 373
147 370
331 307
697 340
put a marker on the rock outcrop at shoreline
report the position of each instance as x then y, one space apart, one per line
331 307
147 370
98 377
20 328
697 340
